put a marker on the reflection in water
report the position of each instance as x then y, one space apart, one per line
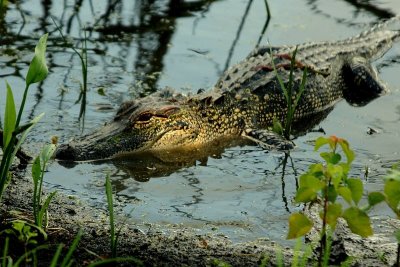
283 163
131 38
150 30
361 7
240 27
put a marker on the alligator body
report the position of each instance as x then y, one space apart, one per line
245 100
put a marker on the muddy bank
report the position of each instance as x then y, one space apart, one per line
175 246
178 246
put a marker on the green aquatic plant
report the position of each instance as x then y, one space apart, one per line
322 184
37 72
84 68
292 98
38 170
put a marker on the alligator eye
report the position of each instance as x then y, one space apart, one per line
144 117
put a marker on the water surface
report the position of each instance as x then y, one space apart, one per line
137 47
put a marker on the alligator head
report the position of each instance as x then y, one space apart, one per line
154 122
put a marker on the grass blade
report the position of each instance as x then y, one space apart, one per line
281 84
111 215
44 207
5 251
26 254
54 260
67 259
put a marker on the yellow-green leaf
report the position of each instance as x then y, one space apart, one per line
37 71
356 187
392 192
375 198
346 194
334 211
358 221
346 150
336 174
9 117
299 225
321 141
47 152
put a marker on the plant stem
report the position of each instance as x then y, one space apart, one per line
324 239
21 108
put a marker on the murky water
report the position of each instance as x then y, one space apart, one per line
136 47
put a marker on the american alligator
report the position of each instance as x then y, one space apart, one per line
245 100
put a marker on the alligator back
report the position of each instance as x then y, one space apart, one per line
330 67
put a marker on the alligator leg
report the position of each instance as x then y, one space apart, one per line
268 140
362 84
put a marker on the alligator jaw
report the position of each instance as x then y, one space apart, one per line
101 144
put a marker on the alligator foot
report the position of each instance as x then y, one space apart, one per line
268 140
362 82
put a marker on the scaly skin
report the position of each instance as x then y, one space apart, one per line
247 97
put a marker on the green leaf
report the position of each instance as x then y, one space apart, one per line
47 152
277 126
281 83
321 141
38 69
56 255
336 174
356 187
308 189
346 194
334 211
299 225
317 170
44 207
25 134
301 88
332 194
9 117
67 260
392 192
346 150
36 170
375 198
358 221
331 157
